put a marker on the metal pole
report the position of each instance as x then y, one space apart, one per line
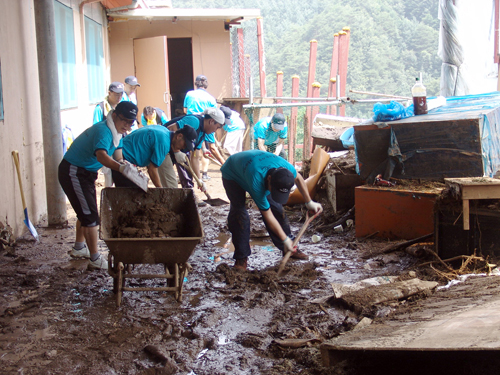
279 89
344 36
312 104
262 63
250 80
50 107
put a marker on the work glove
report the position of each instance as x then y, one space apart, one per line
202 187
181 158
122 167
314 206
288 245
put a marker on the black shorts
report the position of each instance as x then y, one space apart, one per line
79 186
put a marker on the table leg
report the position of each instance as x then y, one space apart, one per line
465 212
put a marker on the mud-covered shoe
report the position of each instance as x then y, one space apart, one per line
240 264
200 203
99 263
205 177
299 255
79 254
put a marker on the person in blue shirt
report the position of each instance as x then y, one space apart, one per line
197 100
150 146
268 179
90 151
270 134
235 128
153 116
130 88
115 94
205 125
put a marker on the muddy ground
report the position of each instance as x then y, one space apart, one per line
57 317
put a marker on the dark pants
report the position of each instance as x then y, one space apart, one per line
239 220
184 176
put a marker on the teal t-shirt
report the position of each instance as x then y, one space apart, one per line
263 130
194 122
82 151
249 170
150 144
236 123
196 101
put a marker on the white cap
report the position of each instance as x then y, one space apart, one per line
216 114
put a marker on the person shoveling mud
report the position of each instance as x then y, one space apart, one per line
268 178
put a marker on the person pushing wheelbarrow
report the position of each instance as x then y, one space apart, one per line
268 179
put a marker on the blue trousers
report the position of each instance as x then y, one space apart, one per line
239 220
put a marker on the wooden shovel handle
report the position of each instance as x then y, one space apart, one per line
188 166
296 241
15 156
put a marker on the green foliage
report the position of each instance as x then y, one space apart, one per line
391 42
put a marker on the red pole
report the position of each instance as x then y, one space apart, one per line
279 89
241 62
343 59
312 71
332 86
292 127
316 86
262 63
232 67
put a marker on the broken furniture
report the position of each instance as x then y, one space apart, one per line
327 130
172 252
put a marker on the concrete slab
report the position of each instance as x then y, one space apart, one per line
451 326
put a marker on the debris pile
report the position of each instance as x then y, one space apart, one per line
150 222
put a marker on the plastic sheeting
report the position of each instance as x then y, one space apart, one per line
466 47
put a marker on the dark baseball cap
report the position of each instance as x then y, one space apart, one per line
282 181
116 87
127 110
190 136
278 121
227 114
132 81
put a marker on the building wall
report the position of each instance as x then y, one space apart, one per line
210 46
21 128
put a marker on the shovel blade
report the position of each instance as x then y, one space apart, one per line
216 202
30 226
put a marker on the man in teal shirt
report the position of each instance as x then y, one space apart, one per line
270 134
268 179
90 151
150 146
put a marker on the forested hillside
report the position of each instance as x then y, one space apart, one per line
391 41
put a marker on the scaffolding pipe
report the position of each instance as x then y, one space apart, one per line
312 104
50 108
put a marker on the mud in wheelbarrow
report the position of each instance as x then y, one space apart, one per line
173 252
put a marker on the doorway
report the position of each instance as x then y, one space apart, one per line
180 64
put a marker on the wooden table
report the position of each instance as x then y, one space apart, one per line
473 188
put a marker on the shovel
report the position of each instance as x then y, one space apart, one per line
27 221
136 176
296 241
209 200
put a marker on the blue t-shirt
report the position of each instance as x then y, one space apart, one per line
163 118
196 101
150 144
236 123
82 151
194 122
249 170
263 130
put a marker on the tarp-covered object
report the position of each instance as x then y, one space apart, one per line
458 139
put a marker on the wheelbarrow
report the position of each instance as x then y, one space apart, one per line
172 252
